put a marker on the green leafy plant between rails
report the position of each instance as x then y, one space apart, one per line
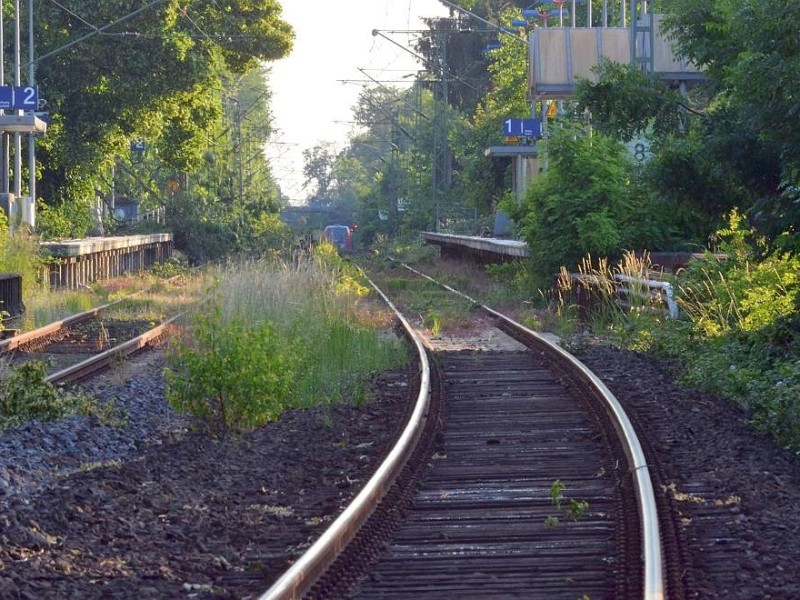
233 376
574 510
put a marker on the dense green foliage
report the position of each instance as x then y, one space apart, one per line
480 180
151 77
739 333
382 179
588 202
186 81
233 375
732 141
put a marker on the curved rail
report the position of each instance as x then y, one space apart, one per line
652 559
301 576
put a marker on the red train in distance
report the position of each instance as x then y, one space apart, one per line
340 236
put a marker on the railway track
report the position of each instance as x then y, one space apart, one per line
518 476
82 344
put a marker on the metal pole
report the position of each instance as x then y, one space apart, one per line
31 138
239 143
17 82
4 184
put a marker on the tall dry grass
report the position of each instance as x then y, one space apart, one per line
324 350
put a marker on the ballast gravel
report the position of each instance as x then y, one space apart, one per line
38 455
150 508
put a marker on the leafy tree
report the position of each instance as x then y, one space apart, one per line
751 59
351 182
626 102
318 170
691 193
149 76
458 44
581 205
382 179
482 180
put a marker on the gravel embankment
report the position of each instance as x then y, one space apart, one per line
150 509
39 455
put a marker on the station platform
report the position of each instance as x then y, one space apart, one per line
80 262
483 249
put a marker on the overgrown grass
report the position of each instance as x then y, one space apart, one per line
436 308
506 287
275 336
161 299
19 253
589 301
738 335
741 337
48 307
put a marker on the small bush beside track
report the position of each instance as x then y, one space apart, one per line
274 336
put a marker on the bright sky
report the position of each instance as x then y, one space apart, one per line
333 39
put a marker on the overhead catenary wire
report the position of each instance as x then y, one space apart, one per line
408 104
95 32
73 14
425 61
494 27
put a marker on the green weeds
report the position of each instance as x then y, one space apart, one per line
568 507
233 375
274 337
27 395
738 335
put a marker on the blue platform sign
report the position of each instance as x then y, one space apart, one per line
22 97
530 128
6 97
26 97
